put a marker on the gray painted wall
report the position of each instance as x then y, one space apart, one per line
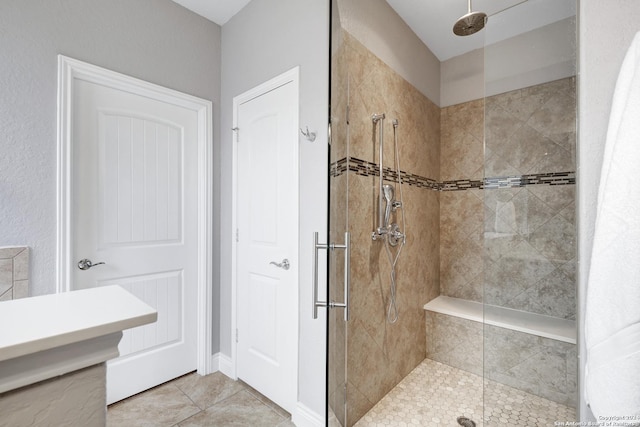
267 38
154 40
606 31
538 56
378 27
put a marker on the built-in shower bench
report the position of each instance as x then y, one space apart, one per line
522 321
528 351
53 350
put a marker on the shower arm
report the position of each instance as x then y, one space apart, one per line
380 118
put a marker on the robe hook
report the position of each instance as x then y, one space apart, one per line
310 136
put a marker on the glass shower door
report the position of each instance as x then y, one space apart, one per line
529 333
337 259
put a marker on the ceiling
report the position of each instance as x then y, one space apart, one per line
218 11
432 20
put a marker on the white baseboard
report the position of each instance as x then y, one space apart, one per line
225 365
214 363
305 417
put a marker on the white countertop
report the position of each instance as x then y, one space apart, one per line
40 323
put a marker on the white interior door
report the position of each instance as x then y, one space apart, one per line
267 243
135 208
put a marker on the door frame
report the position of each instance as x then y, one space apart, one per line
70 70
292 76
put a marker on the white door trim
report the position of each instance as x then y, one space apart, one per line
71 69
291 76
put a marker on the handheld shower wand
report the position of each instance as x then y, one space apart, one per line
389 193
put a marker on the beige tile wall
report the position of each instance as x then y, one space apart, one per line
512 247
338 218
519 250
462 142
462 212
14 273
531 130
540 366
380 354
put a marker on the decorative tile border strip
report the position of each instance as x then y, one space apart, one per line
460 184
551 178
365 168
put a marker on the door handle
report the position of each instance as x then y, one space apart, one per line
347 275
85 264
284 264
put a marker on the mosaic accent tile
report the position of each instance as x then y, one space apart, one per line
435 395
554 178
365 168
461 184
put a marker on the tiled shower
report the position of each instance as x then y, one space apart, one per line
489 199
398 348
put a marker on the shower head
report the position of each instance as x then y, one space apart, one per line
470 23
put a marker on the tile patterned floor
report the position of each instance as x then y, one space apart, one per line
435 395
195 401
432 395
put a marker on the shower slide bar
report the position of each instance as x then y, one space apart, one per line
381 230
347 275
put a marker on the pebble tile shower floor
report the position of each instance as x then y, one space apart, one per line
435 395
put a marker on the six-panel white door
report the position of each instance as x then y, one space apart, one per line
135 209
267 220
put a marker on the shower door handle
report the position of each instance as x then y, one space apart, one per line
316 248
347 275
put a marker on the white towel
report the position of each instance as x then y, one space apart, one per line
612 318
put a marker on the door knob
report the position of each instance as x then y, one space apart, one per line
284 264
85 264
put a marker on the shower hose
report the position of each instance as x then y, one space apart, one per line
392 310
